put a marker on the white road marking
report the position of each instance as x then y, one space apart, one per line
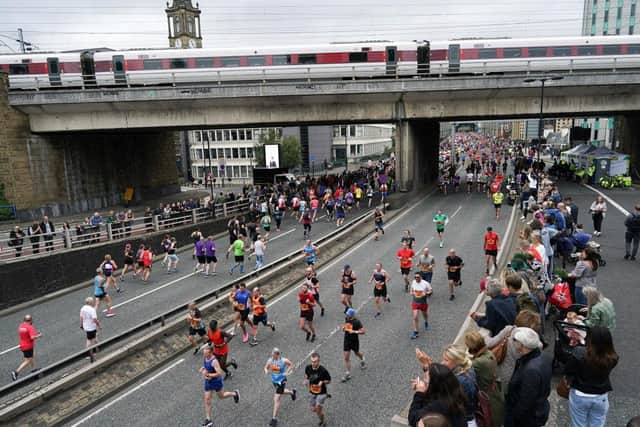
280 235
149 292
9 350
133 390
608 199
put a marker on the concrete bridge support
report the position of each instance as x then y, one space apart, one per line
627 131
417 150
56 174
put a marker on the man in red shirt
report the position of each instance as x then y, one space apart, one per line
405 256
27 334
491 239
307 303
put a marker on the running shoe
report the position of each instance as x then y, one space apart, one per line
227 375
426 326
452 297
253 342
207 423
110 313
322 311
388 300
245 338
308 335
294 394
14 375
377 315
196 350
119 290
414 335
441 244
363 364
313 338
273 422
233 363
236 397
273 326
346 378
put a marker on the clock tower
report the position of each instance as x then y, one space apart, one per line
183 21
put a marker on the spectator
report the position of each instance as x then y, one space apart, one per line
527 402
632 235
148 220
500 310
48 230
95 222
598 211
485 366
17 240
588 370
460 364
34 233
128 223
524 319
600 310
585 274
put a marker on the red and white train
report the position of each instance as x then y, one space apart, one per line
332 61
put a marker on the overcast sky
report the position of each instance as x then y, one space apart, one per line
76 24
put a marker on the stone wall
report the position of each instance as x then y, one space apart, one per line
57 174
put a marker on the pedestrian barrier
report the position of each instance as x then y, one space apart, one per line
118 341
16 248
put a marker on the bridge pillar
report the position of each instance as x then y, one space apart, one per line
627 133
56 174
417 150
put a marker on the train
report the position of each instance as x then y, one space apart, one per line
364 60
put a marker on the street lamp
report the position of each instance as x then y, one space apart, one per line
209 161
346 149
542 81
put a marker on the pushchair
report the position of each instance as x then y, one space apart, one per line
565 342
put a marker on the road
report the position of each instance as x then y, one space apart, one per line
618 281
173 395
58 319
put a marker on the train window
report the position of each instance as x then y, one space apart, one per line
307 58
586 50
255 61
358 57
487 53
18 69
561 51
633 49
230 61
611 49
152 64
281 59
512 52
178 63
204 62
537 52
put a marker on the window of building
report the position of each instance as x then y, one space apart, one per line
255 61
234 152
281 59
352 150
593 19
219 135
178 63
250 152
243 152
612 49
234 134
307 58
617 31
244 172
227 153
206 154
230 61
213 153
152 64
236 171
605 28
249 134
619 12
487 53
586 50
227 135
633 49
512 52
241 134
536 52
205 136
197 136
632 11
220 153
358 57
620 3
606 5
352 130
561 51
204 62
631 28
606 16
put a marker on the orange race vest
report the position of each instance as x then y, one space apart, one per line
258 309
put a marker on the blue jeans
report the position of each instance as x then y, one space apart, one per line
580 298
588 411
259 261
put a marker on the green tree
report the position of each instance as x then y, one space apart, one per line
291 152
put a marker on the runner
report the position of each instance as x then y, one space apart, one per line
379 224
139 267
147 261
317 377
27 335
108 267
352 328
196 326
277 215
242 297
314 286
236 312
100 293
280 368
420 292
498 197
358 195
407 238
491 249
380 278
307 302
441 221
266 225
259 249
340 215
172 258
405 256
310 252
295 206
219 340
238 254
128 261
349 200
329 205
210 256
282 207
426 262
211 371
315 204
259 306
348 280
305 220
89 323
454 264
369 196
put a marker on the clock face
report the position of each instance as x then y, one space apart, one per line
192 43
178 43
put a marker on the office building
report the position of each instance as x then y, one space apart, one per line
610 17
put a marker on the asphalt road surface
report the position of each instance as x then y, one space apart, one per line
58 319
174 395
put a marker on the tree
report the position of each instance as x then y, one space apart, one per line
291 152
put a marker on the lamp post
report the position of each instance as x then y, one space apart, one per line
542 81
210 170
346 149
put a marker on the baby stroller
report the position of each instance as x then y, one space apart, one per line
567 339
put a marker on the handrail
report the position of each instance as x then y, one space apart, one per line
84 235
162 318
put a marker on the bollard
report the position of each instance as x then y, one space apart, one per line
109 231
67 237
224 209
156 223
194 216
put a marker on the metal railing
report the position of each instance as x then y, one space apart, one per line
161 319
83 235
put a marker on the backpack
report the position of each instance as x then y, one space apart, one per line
526 302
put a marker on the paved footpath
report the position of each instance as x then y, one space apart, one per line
373 395
57 319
